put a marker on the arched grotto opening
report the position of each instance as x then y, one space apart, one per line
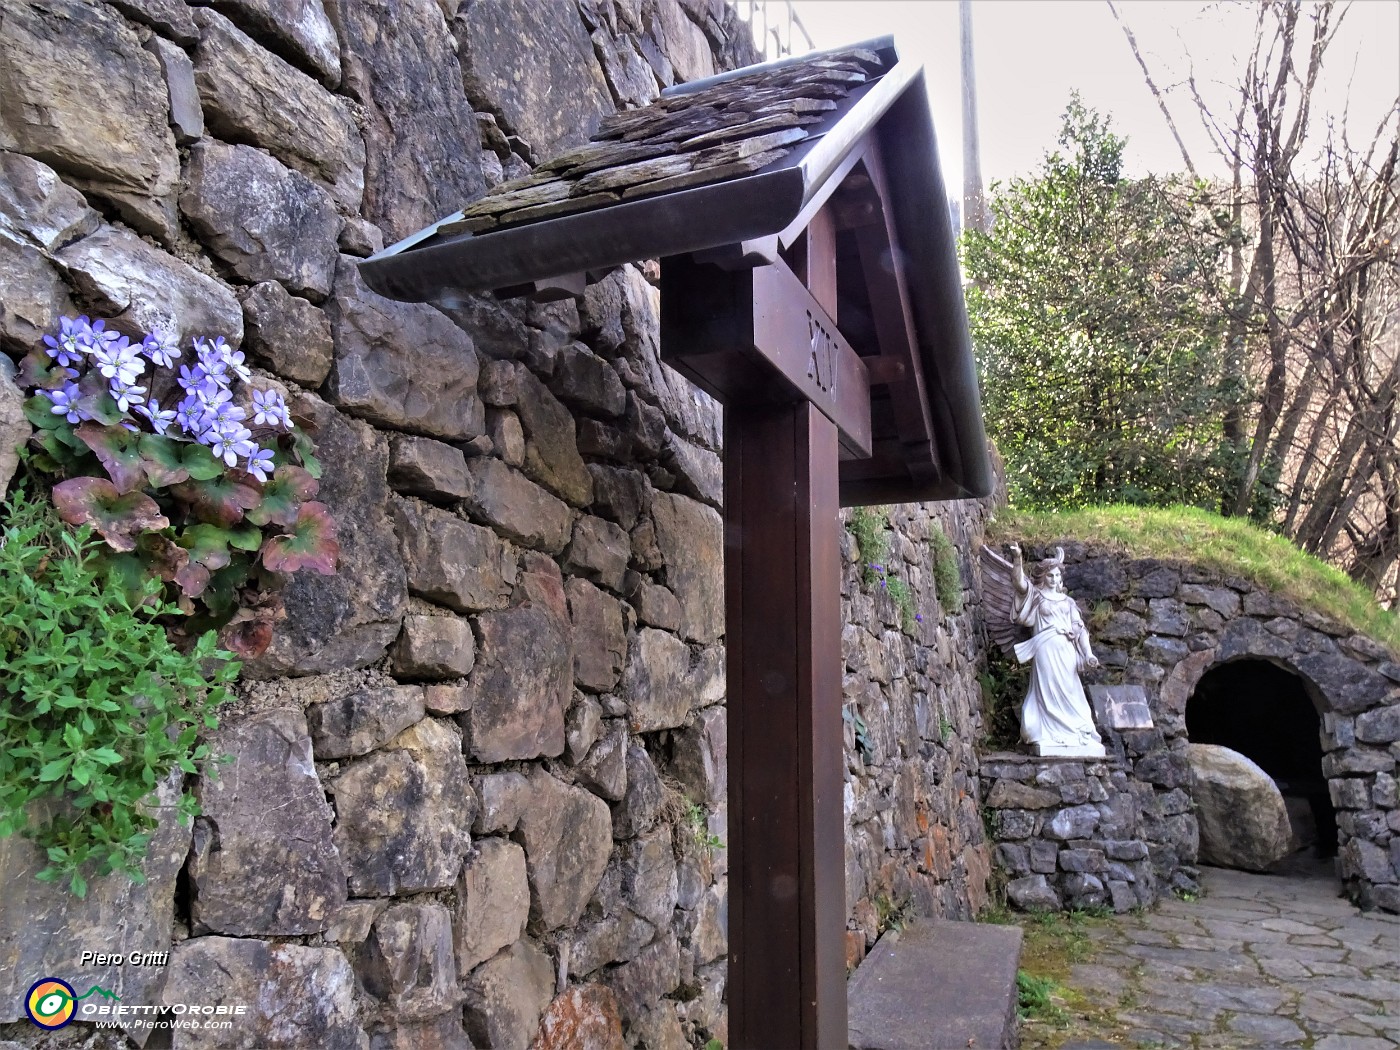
1264 712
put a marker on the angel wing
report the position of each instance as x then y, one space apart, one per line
998 599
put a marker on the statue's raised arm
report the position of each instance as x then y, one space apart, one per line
1055 716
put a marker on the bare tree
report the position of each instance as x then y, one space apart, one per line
1312 298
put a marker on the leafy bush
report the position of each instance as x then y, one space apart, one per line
96 705
212 497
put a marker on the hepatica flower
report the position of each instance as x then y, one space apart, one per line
162 350
127 394
160 419
269 410
119 361
65 402
260 463
73 341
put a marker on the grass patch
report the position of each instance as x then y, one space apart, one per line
1050 1009
1231 546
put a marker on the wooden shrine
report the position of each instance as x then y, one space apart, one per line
809 283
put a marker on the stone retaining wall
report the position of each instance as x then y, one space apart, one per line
1163 625
915 842
1076 833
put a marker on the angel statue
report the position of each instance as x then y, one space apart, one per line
1055 716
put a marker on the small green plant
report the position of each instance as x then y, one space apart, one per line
891 914
1004 684
714 1044
867 525
947 576
1036 999
903 601
1189 896
97 707
945 728
862 731
699 824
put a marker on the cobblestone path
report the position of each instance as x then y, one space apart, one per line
1257 961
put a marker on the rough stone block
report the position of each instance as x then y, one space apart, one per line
587 382
360 721
251 95
522 682
420 466
349 619
286 334
1379 726
463 566
301 28
657 683
264 815
493 902
47 929
581 1018
690 538
551 450
567 837
403 813
296 996
699 757
407 961
507 996
401 365
434 647
638 808
1032 893
85 96
600 636
518 507
264 221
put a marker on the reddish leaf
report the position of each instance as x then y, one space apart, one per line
118 517
162 556
283 496
118 450
192 579
248 638
311 544
219 501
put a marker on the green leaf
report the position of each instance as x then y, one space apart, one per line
54 770
207 545
162 459
39 411
200 463
312 543
117 517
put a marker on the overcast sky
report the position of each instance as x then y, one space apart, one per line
1030 54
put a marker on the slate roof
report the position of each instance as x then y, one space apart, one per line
727 129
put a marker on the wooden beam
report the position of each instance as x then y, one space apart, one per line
764 316
782 563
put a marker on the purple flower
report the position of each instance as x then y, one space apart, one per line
919 617
72 341
118 360
160 418
126 394
189 416
223 446
260 463
98 338
162 349
194 380
234 360
270 410
65 402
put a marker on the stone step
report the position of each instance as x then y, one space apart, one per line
937 985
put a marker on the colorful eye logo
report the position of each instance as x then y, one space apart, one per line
50 1002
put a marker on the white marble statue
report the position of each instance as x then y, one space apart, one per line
1055 716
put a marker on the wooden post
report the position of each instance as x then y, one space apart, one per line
787 977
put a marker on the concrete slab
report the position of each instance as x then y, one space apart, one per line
937 984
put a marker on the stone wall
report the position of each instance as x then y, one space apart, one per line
915 842
477 777
1165 625
1073 833
477 781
